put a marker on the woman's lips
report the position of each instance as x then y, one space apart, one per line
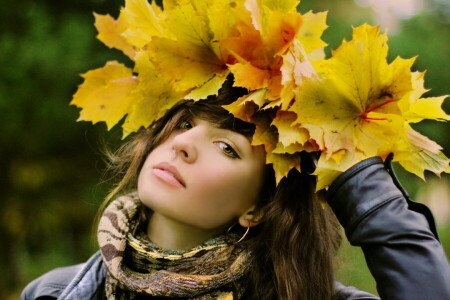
169 174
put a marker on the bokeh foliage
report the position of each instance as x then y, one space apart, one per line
51 166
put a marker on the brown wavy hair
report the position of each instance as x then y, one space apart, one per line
295 244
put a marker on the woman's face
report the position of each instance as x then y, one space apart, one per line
202 176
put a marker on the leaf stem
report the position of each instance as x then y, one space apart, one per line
379 105
376 119
364 114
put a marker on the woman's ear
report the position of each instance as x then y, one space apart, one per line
250 217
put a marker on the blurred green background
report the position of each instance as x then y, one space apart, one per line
51 166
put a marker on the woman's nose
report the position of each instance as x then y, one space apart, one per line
184 147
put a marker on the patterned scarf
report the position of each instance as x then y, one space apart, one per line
138 269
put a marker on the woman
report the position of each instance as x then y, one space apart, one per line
209 222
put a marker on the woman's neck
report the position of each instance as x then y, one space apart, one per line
169 234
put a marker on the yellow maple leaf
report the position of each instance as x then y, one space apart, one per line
327 170
251 77
152 96
143 21
427 108
189 43
222 25
282 154
307 46
362 106
267 135
137 23
247 46
359 84
270 48
245 107
208 39
289 134
310 34
110 33
416 109
200 64
419 153
259 45
282 164
209 88
296 66
106 94
291 149
280 29
189 23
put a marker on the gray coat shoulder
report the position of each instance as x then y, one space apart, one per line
51 284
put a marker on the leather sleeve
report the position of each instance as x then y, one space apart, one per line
342 292
401 250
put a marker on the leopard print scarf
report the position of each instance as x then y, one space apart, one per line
138 269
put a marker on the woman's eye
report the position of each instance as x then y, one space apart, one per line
227 149
185 125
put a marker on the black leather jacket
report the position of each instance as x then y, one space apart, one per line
398 238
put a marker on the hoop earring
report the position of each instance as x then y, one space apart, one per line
231 227
243 237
